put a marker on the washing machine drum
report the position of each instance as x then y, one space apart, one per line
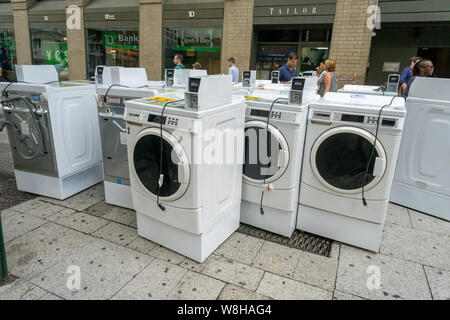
266 153
147 157
339 159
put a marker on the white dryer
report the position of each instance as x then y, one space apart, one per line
274 137
53 133
340 141
190 204
422 177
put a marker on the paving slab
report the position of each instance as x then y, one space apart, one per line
37 250
232 272
398 215
232 292
29 205
80 221
360 272
419 246
193 265
113 213
429 223
195 286
117 233
240 247
104 268
16 224
278 287
141 245
277 258
166 255
21 290
155 282
339 295
439 281
50 296
82 200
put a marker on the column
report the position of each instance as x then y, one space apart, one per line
22 30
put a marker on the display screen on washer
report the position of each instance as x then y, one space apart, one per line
169 73
298 84
99 71
246 74
341 160
259 113
155 118
146 159
194 84
394 79
352 118
261 153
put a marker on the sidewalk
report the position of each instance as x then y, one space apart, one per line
46 240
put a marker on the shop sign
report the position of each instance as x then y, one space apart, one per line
292 11
191 14
196 41
391 67
115 40
110 17
56 54
275 53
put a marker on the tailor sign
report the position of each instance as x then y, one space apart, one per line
292 11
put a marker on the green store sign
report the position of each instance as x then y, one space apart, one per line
115 40
56 54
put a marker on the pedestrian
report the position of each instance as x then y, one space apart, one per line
406 74
287 72
321 72
233 70
197 66
178 61
329 81
423 68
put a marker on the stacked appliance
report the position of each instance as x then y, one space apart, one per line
53 132
422 176
351 149
184 200
126 84
274 137
390 89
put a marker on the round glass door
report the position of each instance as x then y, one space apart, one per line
339 159
266 153
146 161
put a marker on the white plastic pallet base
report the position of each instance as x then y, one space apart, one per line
118 195
359 233
421 200
194 246
59 188
273 220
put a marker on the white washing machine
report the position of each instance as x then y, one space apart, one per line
188 204
114 141
340 136
53 133
422 177
274 137
390 89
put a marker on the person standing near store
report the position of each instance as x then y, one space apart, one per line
406 74
329 81
423 68
287 72
178 61
233 71
197 66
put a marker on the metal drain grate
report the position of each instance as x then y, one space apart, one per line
9 195
299 240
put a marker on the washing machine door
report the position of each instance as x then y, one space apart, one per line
147 157
339 160
266 153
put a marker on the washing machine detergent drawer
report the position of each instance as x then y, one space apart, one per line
45 163
114 149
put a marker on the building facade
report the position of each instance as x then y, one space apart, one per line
78 35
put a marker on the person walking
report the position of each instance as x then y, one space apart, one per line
233 70
406 74
287 72
178 61
423 68
329 81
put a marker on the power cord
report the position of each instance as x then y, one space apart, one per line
161 147
261 209
373 150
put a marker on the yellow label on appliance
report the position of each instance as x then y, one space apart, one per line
160 99
254 98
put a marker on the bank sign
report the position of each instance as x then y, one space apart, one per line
120 40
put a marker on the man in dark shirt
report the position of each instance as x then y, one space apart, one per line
406 75
287 72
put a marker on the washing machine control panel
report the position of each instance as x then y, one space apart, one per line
274 115
169 121
323 116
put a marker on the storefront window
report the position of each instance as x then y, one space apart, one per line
7 55
49 46
272 56
311 57
112 48
201 45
